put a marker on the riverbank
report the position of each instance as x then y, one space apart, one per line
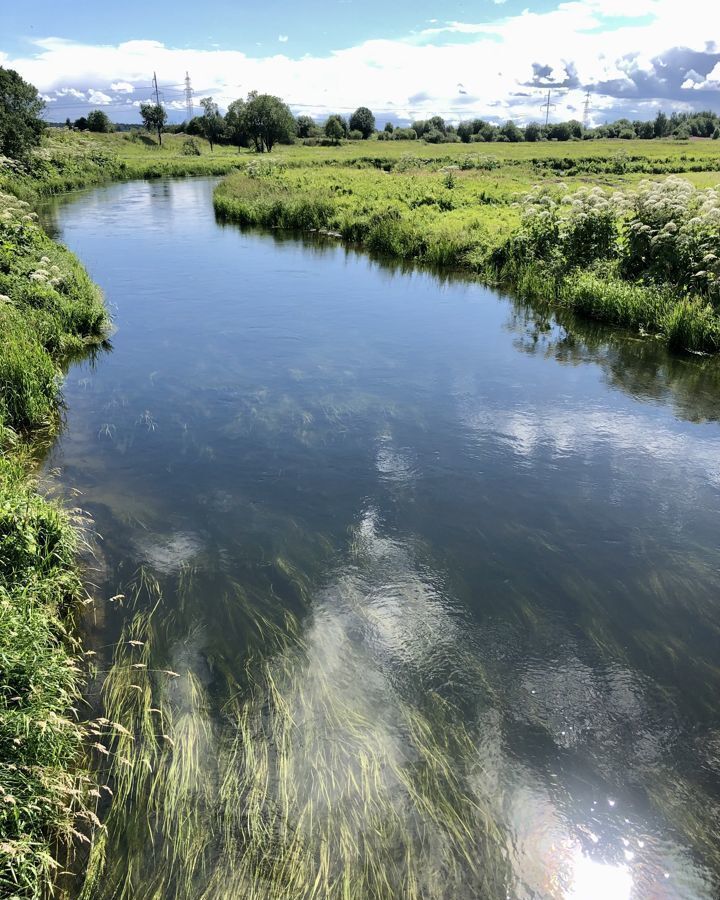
70 160
49 311
628 252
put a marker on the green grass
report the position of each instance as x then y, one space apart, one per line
70 160
49 310
461 206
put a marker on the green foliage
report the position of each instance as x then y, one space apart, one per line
48 309
363 120
266 121
98 121
20 124
468 216
190 147
154 118
212 123
334 129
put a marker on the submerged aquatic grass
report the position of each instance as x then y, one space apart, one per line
283 782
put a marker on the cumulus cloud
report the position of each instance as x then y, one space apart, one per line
633 55
98 98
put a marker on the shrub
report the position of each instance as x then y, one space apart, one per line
190 147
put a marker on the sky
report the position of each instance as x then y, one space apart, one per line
405 59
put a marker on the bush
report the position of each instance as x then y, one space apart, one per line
355 135
190 147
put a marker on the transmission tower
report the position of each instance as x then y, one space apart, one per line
189 111
586 112
547 105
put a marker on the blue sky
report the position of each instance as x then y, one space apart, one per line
404 59
313 27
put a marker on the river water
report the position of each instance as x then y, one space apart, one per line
482 543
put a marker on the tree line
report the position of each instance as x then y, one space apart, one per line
261 121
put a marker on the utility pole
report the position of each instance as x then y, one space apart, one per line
547 110
189 111
157 103
586 112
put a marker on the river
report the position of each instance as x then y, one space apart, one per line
435 575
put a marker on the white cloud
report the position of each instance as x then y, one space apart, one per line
122 87
698 83
71 92
283 38
98 98
418 75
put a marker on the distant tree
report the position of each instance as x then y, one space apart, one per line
645 130
437 123
20 124
465 132
213 124
512 132
235 124
268 121
98 121
420 127
80 124
334 129
154 118
559 131
533 132
305 127
363 120
389 127
660 125
194 126
68 124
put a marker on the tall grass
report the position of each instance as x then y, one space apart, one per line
645 258
49 310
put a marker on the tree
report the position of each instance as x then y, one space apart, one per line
334 129
660 125
98 121
154 118
20 124
512 132
235 130
363 120
533 132
80 124
213 124
304 126
465 132
389 127
267 121
68 124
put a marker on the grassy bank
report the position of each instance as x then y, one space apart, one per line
49 310
480 211
71 160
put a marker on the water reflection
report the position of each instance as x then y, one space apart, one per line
493 530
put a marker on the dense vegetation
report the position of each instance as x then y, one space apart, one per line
645 257
49 310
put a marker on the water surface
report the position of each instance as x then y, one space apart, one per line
460 501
